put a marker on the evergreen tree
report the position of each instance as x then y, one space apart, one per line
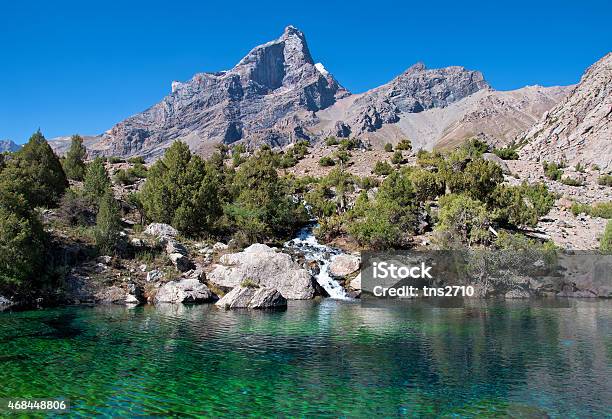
108 224
96 181
74 164
22 242
182 190
262 207
38 168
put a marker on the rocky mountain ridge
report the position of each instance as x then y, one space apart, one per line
277 95
578 129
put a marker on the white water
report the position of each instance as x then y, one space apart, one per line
307 243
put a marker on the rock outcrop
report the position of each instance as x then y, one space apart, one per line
344 265
263 266
255 298
161 231
188 290
579 129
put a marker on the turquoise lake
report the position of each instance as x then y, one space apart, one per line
318 358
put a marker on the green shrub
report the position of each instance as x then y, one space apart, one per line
600 209
249 283
571 181
122 178
96 181
580 168
330 141
509 207
368 182
108 224
349 144
539 197
388 147
382 168
136 160
397 157
342 156
115 160
552 170
605 180
506 153
262 208
427 185
326 161
463 219
429 159
474 147
605 244
404 145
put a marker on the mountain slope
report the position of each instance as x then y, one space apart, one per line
579 129
495 116
8 145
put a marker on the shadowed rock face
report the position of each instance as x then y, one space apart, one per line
579 129
259 99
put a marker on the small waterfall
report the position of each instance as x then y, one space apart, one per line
307 243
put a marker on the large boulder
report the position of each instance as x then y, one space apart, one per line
497 160
344 265
161 230
256 298
188 290
264 266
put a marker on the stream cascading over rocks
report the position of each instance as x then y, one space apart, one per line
323 255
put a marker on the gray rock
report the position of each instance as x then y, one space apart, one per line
344 265
219 246
135 294
154 275
172 246
264 266
517 293
181 262
497 160
161 231
188 290
254 298
355 283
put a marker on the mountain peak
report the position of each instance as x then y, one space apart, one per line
291 30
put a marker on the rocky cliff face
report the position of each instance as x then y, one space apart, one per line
259 99
8 145
579 129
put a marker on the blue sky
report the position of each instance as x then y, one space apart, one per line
80 67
